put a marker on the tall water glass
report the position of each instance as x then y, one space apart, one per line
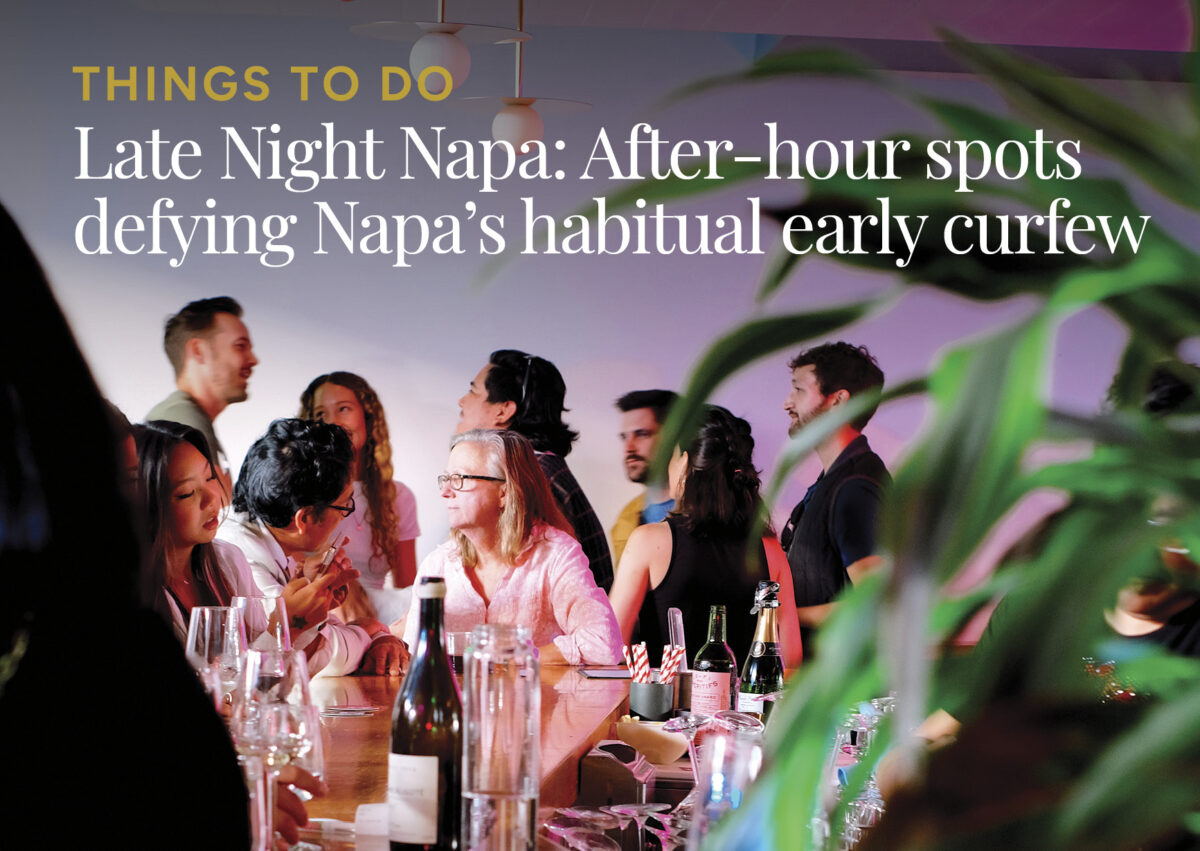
502 701
731 762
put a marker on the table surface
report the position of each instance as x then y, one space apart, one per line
577 712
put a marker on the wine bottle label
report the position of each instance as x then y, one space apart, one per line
752 703
412 799
710 691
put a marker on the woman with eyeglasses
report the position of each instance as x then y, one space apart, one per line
511 557
181 497
526 394
381 533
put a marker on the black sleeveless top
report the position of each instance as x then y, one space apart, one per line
704 572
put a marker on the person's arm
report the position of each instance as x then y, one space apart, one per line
814 616
344 648
404 569
581 610
647 544
789 624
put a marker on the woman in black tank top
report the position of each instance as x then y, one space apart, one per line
698 556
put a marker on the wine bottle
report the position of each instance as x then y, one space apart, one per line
425 763
714 671
763 672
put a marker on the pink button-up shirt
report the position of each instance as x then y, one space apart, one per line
552 592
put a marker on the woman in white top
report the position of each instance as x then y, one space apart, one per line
511 557
381 533
182 499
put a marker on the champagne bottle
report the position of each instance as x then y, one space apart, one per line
763 672
425 763
714 671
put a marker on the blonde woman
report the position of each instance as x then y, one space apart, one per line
511 557
383 529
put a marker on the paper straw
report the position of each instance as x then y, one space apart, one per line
628 661
641 664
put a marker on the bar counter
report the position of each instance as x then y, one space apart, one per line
577 712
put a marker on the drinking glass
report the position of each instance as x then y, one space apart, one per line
671 831
638 813
688 725
260 823
731 762
501 733
265 622
215 644
273 717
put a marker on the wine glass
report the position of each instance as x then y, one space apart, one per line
671 830
688 725
215 643
265 622
273 717
638 813
586 839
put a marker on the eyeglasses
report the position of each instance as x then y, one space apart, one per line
346 510
455 480
525 380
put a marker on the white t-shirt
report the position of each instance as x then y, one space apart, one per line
357 527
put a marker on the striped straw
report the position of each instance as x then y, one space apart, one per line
672 656
641 664
628 661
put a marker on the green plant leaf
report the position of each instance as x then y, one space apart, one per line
813 62
1154 152
738 348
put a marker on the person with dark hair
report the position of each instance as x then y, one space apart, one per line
131 716
382 530
293 492
830 535
525 393
210 351
511 558
642 415
697 557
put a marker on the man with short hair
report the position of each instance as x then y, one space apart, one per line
642 415
525 393
830 536
209 348
293 492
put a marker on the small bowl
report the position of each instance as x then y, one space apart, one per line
648 737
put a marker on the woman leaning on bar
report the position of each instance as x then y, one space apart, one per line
696 558
511 557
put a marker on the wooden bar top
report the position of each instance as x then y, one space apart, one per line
577 712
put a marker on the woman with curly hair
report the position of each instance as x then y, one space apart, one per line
382 530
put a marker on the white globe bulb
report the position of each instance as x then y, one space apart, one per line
517 124
446 50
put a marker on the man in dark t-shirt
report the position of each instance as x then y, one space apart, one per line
830 536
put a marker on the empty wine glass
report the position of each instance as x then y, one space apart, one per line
671 831
638 813
688 725
273 717
586 839
265 622
215 644
592 819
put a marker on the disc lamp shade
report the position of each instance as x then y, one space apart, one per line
517 124
446 50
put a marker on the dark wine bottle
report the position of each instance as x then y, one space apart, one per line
714 671
425 764
763 672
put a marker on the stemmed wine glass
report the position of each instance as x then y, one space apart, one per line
265 622
670 831
273 717
638 813
587 839
688 726
215 644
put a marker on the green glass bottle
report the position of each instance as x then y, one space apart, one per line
425 763
763 672
714 671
